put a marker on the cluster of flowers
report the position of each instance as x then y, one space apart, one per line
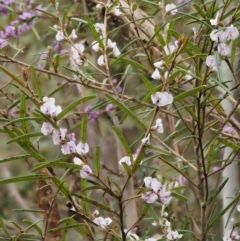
155 190
59 136
110 45
222 37
102 222
24 20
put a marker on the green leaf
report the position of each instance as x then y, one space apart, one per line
83 183
13 158
47 118
23 113
175 134
83 134
229 143
62 186
25 119
97 163
159 150
126 110
126 167
191 92
93 202
36 82
73 105
25 136
33 225
123 141
64 18
179 196
131 62
153 213
216 192
147 83
24 178
14 77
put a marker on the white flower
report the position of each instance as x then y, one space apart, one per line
238 208
171 9
46 99
77 161
58 109
47 128
223 49
101 60
173 235
146 140
95 46
99 6
149 197
218 36
159 125
77 50
226 238
82 148
158 64
232 33
108 221
126 160
150 239
99 27
162 98
48 108
116 51
100 221
116 11
111 44
210 62
214 22
85 171
73 34
59 36
68 148
156 74
58 135
165 196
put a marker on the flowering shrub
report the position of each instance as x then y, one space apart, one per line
123 115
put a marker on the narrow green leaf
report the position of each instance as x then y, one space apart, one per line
62 186
153 213
83 134
147 83
36 82
189 93
131 62
179 196
26 136
123 141
33 225
64 18
126 167
159 150
169 33
229 143
216 192
47 118
126 110
95 203
13 158
23 113
73 105
85 208
24 178
97 162
14 77
25 119
176 134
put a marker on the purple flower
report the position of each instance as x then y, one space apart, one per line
72 136
109 107
3 43
229 129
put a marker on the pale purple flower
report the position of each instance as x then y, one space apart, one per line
218 36
108 221
165 196
229 129
149 197
58 110
58 136
156 74
68 148
3 43
77 161
47 128
173 235
71 136
100 221
109 107
47 99
59 35
85 171
171 9
116 51
169 49
226 238
162 98
126 160
146 140
148 181
77 53
232 33
48 108
210 62
223 49
214 22
82 148
73 34
159 125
